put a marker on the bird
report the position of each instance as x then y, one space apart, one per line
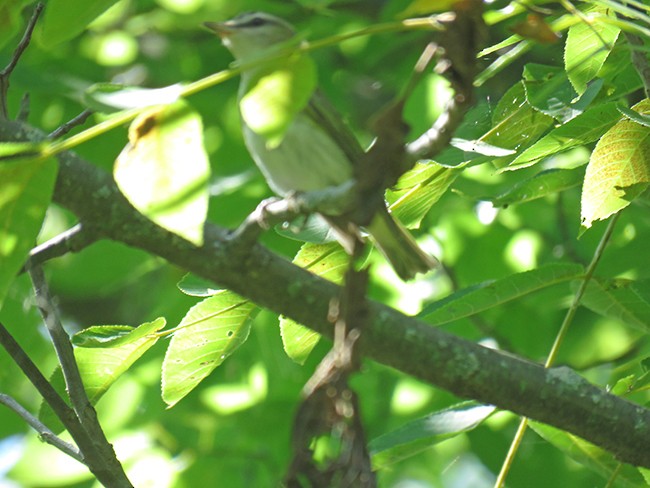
316 150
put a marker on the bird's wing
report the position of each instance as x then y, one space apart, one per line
326 116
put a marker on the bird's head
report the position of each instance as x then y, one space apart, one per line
250 33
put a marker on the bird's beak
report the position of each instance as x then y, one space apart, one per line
222 29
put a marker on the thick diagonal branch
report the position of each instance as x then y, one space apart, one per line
558 396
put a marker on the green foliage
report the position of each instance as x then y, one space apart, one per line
556 140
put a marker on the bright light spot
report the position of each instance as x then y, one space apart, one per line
116 49
486 212
629 232
11 450
521 252
234 397
410 396
181 6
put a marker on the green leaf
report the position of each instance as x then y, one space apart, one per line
26 187
589 455
164 170
280 92
101 364
210 332
418 190
64 19
621 299
548 90
516 124
483 296
418 435
633 115
328 261
583 129
111 97
542 184
195 286
586 49
111 336
618 170
103 354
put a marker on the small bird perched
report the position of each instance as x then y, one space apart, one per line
315 151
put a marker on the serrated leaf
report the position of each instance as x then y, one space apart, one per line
423 433
111 336
542 184
276 95
516 124
210 332
164 170
548 90
64 19
583 129
25 192
110 97
633 115
621 299
195 286
104 361
483 296
589 455
618 170
328 261
586 49
101 366
418 190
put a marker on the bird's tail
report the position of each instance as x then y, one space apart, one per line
399 247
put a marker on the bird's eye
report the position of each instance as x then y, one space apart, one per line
256 22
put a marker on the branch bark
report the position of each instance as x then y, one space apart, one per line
557 396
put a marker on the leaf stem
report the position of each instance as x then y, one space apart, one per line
559 338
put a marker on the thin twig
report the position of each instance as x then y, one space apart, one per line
43 431
559 338
68 126
36 378
72 240
98 452
22 45
60 340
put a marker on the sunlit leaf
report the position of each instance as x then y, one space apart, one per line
618 170
101 366
483 296
164 169
516 124
195 286
583 129
276 95
103 354
587 46
328 261
545 183
210 332
418 190
420 7
25 191
548 90
109 97
428 431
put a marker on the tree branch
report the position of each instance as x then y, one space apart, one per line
557 396
98 452
44 433
22 45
